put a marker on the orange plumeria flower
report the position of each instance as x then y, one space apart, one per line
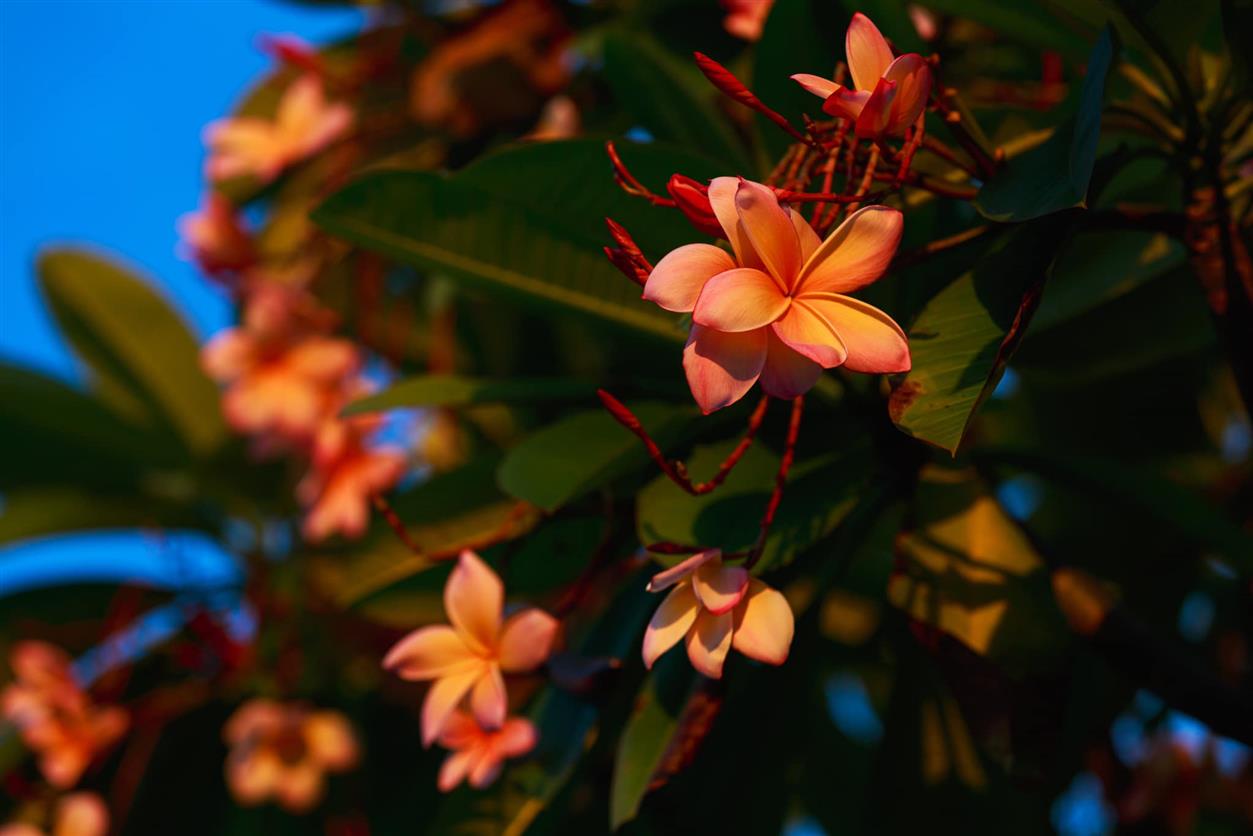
279 383
284 751
345 473
54 715
745 18
888 93
214 237
75 814
471 656
304 123
478 753
716 607
778 311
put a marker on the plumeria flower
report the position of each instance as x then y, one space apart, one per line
284 751
778 311
745 18
888 93
471 656
479 753
304 123
714 608
54 715
280 386
214 238
75 814
346 471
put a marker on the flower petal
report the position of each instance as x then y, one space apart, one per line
489 700
805 234
230 353
763 625
460 731
875 116
330 740
669 577
299 787
787 374
808 333
474 597
251 774
708 642
80 814
768 226
856 253
486 769
846 104
527 640
875 343
816 84
429 652
455 768
867 52
255 718
444 695
722 199
722 367
676 281
719 588
516 737
912 75
740 300
672 620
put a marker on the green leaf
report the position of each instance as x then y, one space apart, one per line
454 390
526 222
582 452
52 433
966 569
1055 175
801 36
819 493
966 334
672 101
451 511
1097 267
1137 490
33 512
1032 24
647 736
145 362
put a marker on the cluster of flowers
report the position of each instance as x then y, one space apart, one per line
285 376
58 721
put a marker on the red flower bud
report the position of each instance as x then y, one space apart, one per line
692 198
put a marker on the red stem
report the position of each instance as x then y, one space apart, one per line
630 184
780 480
726 82
676 471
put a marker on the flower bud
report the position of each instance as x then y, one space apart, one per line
692 198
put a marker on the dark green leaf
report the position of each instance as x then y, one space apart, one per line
966 334
144 361
453 390
582 452
673 102
527 222
1055 175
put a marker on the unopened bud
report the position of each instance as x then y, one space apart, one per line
692 198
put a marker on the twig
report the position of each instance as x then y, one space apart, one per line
940 245
780 480
676 471
394 521
624 178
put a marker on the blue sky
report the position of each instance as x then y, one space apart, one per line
101 107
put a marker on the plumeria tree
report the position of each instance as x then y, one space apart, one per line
893 360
